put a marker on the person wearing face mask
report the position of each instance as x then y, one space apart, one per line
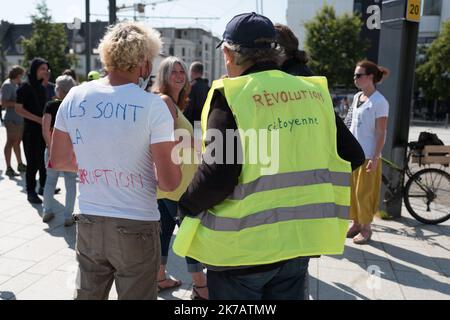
119 139
369 117
31 100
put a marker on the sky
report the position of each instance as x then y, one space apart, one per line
19 11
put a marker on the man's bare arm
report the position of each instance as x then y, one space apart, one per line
168 172
46 128
62 155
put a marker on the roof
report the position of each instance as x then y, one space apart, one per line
10 33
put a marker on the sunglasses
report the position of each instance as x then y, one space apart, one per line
359 75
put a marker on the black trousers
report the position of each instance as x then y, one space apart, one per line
34 147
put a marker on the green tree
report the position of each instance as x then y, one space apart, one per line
433 74
335 46
48 41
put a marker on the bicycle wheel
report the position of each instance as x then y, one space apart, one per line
427 196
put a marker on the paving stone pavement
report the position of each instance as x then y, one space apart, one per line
406 260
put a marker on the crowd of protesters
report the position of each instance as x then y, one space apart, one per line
254 234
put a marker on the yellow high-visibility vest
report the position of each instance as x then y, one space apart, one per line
298 209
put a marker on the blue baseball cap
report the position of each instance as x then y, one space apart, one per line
250 30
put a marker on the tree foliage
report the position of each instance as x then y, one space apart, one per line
48 41
335 46
433 74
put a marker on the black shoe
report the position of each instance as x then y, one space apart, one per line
22 168
41 191
11 173
34 199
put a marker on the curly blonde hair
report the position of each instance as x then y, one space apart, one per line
127 45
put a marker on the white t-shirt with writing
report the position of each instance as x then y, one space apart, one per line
364 120
112 128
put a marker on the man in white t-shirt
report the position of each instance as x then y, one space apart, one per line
119 139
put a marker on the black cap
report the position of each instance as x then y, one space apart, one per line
250 30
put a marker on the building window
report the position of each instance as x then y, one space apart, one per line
79 47
358 7
171 51
206 47
425 40
432 7
19 46
98 64
183 52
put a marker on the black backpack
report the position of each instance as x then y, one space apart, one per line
426 139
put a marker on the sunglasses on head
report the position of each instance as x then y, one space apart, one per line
359 75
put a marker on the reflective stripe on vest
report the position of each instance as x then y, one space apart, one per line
294 179
310 211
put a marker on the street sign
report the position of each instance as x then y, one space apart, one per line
413 10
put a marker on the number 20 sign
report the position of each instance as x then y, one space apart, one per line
413 10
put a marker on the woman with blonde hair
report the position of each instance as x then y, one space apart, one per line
172 84
369 123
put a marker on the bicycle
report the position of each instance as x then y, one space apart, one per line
426 193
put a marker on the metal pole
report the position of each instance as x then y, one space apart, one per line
257 6
112 12
446 121
398 45
88 37
262 7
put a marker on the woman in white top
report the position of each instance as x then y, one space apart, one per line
369 124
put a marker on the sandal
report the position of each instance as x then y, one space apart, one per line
353 231
195 295
361 239
175 284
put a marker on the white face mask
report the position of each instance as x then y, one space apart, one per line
143 83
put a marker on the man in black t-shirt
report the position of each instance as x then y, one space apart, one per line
31 100
199 92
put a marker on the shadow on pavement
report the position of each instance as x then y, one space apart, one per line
7 295
56 226
342 292
417 278
421 232
20 181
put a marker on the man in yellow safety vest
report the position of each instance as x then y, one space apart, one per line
274 185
